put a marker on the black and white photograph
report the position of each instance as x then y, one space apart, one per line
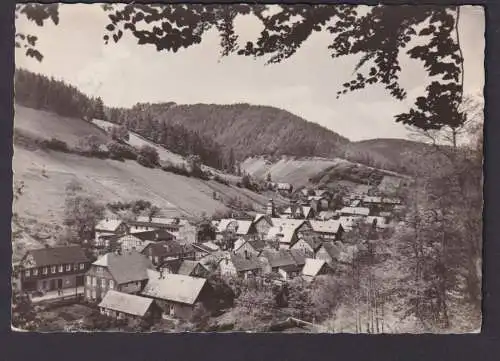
248 168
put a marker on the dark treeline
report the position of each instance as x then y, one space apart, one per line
41 92
154 125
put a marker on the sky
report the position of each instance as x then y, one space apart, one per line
125 73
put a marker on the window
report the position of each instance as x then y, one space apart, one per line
28 273
156 260
45 270
53 269
103 283
98 270
89 280
82 266
68 267
35 272
93 294
111 284
61 268
94 281
87 293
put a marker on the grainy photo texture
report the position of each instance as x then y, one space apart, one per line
262 168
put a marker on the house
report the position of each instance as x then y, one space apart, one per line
326 215
299 212
314 268
193 268
327 230
272 260
288 272
330 253
355 211
299 256
144 223
284 187
176 294
308 245
123 272
203 249
107 227
243 266
226 226
123 305
159 252
250 247
262 223
139 240
187 234
377 222
285 231
245 228
318 203
53 268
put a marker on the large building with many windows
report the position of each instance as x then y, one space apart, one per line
51 269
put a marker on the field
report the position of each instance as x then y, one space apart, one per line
46 125
45 174
293 171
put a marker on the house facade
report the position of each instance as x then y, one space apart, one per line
125 273
50 269
108 227
121 305
160 252
177 295
240 266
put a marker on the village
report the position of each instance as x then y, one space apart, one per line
153 269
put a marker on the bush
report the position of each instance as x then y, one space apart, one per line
180 170
148 156
121 151
55 144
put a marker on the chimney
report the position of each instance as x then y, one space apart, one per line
270 210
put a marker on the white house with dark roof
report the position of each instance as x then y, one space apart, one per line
108 227
314 268
177 294
124 272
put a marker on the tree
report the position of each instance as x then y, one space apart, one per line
148 156
354 31
91 143
81 215
268 177
99 109
119 133
24 315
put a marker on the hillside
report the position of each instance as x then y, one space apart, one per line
46 173
247 130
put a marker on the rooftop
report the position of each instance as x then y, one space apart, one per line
174 287
126 267
126 303
57 255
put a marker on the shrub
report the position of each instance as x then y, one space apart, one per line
55 144
180 170
121 151
221 180
148 156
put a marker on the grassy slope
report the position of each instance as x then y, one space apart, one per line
48 125
46 174
294 171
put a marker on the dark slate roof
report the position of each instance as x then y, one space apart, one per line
290 268
187 267
299 256
332 250
126 267
279 258
159 235
172 264
166 248
241 263
152 224
202 247
58 255
314 242
258 244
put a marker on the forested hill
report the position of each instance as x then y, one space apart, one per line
245 129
